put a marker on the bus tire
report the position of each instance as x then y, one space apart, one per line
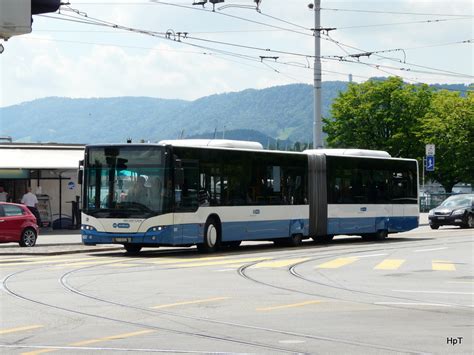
132 249
381 234
212 237
294 241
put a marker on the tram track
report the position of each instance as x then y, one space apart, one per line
11 292
66 285
286 255
242 271
291 269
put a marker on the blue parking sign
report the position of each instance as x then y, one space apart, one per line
430 163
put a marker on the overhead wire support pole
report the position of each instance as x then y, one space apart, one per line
317 122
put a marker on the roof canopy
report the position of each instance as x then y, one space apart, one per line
40 157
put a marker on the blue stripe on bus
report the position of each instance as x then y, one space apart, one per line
187 234
370 225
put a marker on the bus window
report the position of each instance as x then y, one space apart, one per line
186 191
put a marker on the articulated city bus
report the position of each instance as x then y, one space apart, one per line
217 193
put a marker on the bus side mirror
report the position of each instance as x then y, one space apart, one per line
80 172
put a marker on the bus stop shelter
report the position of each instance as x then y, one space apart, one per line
50 170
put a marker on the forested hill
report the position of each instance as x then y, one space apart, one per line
279 112
282 112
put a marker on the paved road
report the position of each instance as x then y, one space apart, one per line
410 294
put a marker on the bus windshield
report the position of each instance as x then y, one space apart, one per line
126 182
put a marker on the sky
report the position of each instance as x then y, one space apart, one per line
112 48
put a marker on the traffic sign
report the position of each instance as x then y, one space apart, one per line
430 163
430 150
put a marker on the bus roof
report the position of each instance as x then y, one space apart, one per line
350 152
215 143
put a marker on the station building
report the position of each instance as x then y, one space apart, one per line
51 171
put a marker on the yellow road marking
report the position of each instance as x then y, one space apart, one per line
441 265
112 337
288 306
279 263
96 262
92 341
35 352
389 264
190 302
223 262
20 329
336 263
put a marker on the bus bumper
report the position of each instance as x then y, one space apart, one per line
154 236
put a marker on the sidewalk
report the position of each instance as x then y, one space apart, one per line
56 242
59 242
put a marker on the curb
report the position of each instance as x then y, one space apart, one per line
62 252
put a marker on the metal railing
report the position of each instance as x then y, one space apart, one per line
429 201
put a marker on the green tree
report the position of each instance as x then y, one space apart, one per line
449 124
381 115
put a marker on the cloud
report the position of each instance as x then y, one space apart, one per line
66 59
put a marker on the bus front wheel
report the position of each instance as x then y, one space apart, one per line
381 234
212 237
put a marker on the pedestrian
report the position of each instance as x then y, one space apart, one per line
3 195
29 199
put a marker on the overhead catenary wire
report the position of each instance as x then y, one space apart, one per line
402 23
94 21
232 16
440 71
396 12
162 35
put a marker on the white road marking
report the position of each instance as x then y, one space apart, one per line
423 250
413 304
291 341
439 292
461 282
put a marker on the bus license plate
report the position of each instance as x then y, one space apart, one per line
122 240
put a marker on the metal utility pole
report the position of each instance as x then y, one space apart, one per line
317 123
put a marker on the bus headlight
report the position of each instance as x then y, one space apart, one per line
87 228
156 229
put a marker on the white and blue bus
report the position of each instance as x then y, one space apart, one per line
217 193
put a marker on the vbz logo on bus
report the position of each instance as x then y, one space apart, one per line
121 225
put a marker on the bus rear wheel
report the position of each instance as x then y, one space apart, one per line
132 248
212 237
381 234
